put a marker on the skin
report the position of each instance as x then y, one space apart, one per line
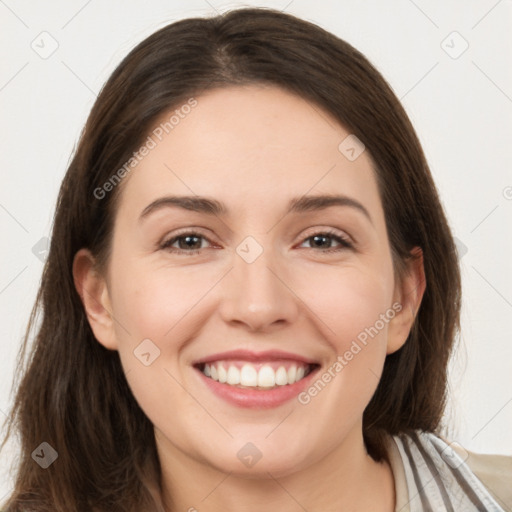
253 148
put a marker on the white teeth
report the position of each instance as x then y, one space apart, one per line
281 376
248 376
233 375
223 374
266 377
292 373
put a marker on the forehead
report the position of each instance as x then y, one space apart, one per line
249 146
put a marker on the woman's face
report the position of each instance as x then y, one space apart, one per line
290 279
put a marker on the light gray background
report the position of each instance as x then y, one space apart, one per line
461 108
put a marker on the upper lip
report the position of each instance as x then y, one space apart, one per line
247 355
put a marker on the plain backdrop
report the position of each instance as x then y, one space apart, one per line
450 62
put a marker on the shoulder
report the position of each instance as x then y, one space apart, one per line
443 475
494 471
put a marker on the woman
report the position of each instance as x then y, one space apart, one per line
251 294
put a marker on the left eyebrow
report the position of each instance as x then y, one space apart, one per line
211 206
321 202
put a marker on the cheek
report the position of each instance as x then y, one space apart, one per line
352 307
351 302
149 302
157 304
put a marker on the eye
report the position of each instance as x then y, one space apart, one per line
188 243
321 238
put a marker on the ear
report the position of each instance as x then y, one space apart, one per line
407 296
93 290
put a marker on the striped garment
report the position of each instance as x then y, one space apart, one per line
438 479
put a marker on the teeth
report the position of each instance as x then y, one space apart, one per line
281 376
249 376
266 377
233 375
223 374
292 373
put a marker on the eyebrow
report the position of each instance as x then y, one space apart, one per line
211 206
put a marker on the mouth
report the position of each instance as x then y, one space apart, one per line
260 376
256 380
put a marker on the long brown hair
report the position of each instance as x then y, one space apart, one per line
72 392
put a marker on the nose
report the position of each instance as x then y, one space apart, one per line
258 295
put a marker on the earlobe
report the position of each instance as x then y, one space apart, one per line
408 293
93 290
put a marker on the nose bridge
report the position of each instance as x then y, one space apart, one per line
255 293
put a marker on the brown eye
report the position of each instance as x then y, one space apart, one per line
190 243
323 240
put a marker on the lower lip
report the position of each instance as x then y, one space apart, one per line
254 398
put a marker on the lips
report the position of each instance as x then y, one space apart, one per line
256 397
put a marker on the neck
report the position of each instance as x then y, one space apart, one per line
345 478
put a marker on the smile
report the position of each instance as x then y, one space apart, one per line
262 376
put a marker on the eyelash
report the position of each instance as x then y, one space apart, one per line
344 242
